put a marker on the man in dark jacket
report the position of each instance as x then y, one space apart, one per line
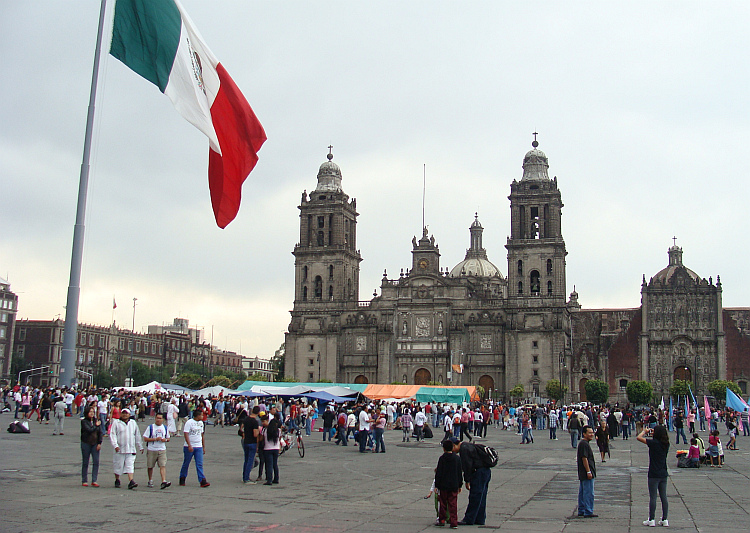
328 417
477 477
448 484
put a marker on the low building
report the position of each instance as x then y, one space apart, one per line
256 365
8 309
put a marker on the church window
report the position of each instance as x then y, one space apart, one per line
309 229
536 359
321 222
536 389
520 287
312 347
330 292
318 288
549 267
330 237
536 372
310 361
304 273
321 238
546 221
549 288
522 222
534 282
534 219
743 387
520 267
310 376
330 271
623 384
304 293
349 287
535 344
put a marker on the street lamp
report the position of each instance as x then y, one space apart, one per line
132 345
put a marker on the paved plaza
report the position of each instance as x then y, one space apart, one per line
335 489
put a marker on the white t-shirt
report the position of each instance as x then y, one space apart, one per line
154 432
194 429
103 406
364 421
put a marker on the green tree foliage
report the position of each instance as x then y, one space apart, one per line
397 383
257 377
517 391
640 392
679 388
277 362
220 381
555 390
597 391
18 363
718 388
189 380
480 390
289 380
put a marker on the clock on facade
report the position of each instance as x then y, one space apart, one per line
423 263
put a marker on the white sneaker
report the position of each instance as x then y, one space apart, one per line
649 523
664 523
150 483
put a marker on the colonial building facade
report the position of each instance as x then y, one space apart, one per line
470 325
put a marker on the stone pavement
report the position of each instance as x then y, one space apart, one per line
335 489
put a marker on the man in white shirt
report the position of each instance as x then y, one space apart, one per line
125 436
69 402
419 421
102 409
156 437
364 429
194 448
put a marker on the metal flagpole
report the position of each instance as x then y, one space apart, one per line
68 357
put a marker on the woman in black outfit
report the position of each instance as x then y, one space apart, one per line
658 449
91 443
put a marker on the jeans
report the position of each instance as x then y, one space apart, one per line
526 435
327 433
379 442
340 436
681 432
745 428
420 433
89 450
660 484
540 422
625 432
272 466
308 424
103 418
552 432
574 438
362 436
585 497
703 424
187 456
476 509
249 450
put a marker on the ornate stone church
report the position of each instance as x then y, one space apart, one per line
470 325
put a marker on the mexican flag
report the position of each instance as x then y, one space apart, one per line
157 39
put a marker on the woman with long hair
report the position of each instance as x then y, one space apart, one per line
91 444
271 447
658 449
602 435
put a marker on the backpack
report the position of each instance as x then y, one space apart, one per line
487 455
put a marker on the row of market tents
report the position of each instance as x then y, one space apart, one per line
336 392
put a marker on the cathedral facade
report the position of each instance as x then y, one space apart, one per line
470 325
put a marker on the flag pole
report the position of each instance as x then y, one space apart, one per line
68 357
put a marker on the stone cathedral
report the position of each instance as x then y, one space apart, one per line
470 325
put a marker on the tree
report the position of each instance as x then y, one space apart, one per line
288 380
257 377
597 391
555 390
480 390
517 391
718 389
277 362
679 388
189 380
220 381
324 380
18 363
640 392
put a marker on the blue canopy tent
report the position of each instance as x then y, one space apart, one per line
328 397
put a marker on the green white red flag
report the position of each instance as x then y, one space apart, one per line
157 39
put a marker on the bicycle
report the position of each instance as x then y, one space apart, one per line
288 441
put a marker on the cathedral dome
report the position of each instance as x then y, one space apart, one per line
475 266
535 164
329 177
675 264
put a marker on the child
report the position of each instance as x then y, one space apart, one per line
448 481
406 425
694 454
713 447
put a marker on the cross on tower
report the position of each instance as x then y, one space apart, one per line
330 148
535 134
674 241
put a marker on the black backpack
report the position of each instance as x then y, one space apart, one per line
487 455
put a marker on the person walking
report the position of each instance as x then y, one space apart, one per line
378 428
448 485
553 418
124 436
250 430
420 419
602 436
586 474
91 445
574 425
194 448
59 410
156 437
679 427
658 449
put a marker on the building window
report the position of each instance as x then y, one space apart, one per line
520 287
91 340
536 359
321 239
535 344
153 348
520 267
534 282
741 384
22 334
623 384
83 339
304 273
549 288
330 292
312 347
321 222
534 216
122 344
2 332
3 317
310 361
137 346
304 294
549 267
101 341
330 271
536 372
318 287
20 350
130 346
310 376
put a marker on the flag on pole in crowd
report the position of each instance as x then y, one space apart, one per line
695 402
735 402
661 404
671 414
157 39
687 407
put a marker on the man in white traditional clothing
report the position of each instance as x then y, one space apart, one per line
172 414
125 436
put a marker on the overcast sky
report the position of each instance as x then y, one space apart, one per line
641 108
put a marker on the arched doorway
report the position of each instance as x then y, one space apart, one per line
683 373
422 377
488 384
361 380
582 389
